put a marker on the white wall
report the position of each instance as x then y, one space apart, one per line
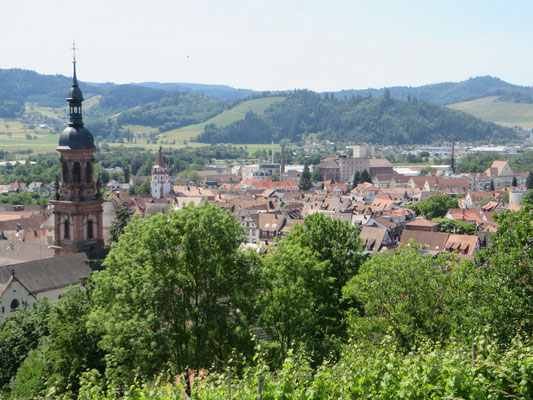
14 291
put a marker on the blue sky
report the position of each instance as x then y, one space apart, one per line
272 44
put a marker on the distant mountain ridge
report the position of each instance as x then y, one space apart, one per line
451 92
115 110
222 92
18 86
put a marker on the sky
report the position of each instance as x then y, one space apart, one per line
272 44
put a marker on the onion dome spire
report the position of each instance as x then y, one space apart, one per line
75 136
75 97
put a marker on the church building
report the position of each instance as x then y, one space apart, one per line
78 201
160 184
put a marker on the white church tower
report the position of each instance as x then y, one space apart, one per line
160 180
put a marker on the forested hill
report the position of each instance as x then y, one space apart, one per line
377 120
452 92
18 86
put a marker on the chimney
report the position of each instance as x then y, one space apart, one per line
282 166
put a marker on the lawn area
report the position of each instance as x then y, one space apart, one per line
505 113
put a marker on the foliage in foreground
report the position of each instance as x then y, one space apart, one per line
382 371
412 317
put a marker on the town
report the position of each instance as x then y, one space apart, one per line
266 200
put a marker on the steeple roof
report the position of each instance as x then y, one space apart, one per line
160 162
75 136
75 92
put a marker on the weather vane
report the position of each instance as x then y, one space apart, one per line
74 51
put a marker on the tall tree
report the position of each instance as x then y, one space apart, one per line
21 332
305 179
529 182
506 278
405 294
73 347
123 216
173 294
356 179
365 176
491 187
514 183
310 268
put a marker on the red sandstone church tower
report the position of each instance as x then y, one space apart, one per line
78 202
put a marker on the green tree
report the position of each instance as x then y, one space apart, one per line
434 206
287 300
21 332
122 218
144 187
485 200
356 179
514 183
455 226
506 279
326 255
491 187
305 179
529 181
365 176
527 201
316 175
30 380
173 294
72 347
126 170
405 293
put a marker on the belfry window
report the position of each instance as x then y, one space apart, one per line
65 172
66 231
88 172
90 227
77 172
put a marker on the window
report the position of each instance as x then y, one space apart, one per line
67 227
65 172
88 172
90 223
77 172
14 304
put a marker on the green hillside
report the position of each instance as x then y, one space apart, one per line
504 113
225 118
383 120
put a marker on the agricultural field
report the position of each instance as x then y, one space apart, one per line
17 136
504 113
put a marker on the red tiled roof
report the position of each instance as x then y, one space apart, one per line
422 222
160 162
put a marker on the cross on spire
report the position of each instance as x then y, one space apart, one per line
74 51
